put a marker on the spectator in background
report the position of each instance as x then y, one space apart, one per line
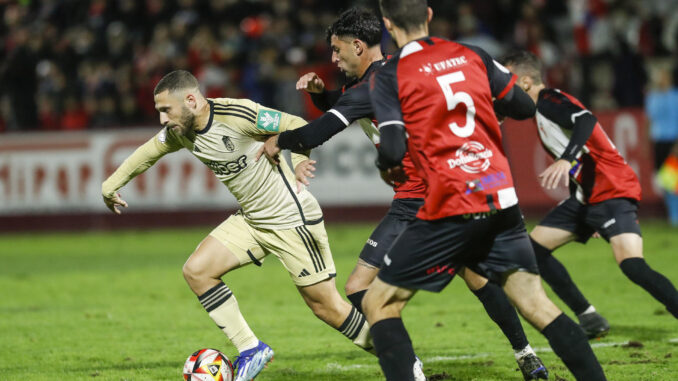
661 107
75 116
251 48
19 81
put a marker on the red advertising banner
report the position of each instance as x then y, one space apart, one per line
625 128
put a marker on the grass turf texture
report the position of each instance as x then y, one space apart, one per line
114 306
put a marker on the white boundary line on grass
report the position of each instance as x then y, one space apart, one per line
333 366
601 345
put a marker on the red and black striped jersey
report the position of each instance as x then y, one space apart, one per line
442 92
598 172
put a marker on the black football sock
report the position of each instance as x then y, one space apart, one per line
653 282
557 277
500 310
570 344
356 299
394 348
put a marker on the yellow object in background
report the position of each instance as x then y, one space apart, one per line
668 174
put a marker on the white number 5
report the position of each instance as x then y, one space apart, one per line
453 99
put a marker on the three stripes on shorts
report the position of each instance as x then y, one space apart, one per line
215 296
311 247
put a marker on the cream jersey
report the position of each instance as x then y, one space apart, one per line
228 146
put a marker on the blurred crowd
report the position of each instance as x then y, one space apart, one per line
79 64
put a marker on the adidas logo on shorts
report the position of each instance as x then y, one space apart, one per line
304 273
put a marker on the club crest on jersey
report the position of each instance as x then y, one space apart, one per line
268 120
426 68
230 147
472 157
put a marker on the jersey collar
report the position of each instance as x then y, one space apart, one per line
209 121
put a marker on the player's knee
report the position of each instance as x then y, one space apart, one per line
377 306
539 310
354 285
193 271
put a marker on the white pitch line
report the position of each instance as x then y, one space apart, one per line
339 367
600 345
335 366
455 358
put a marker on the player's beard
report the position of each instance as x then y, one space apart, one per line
186 122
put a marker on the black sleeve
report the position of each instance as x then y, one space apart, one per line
311 135
516 104
325 100
353 104
570 116
392 146
582 130
500 78
387 110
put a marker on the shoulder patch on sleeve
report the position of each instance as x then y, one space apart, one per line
268 120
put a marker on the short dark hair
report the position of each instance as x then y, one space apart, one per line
522 63
358 23
405 14
176 80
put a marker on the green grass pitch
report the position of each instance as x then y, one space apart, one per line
114 306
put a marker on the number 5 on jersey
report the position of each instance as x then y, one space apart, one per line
454 98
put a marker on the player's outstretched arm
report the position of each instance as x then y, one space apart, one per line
571 117
138 162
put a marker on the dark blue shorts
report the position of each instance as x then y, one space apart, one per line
609 218
428 254
402 212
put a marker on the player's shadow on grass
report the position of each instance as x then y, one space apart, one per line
641 332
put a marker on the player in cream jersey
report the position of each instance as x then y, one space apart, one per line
277 216
228 146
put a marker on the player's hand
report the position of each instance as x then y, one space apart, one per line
550 178
113 202
271 150
394 176
302 172
595 235
311 83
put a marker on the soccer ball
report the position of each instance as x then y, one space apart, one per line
208 365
